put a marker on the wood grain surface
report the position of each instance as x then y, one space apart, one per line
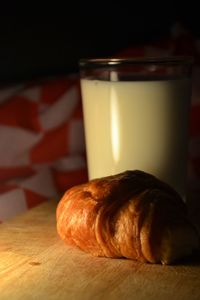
36 264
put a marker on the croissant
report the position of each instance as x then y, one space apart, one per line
131 214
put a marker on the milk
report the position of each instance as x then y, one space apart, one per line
137 125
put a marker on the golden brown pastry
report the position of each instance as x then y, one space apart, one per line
132 215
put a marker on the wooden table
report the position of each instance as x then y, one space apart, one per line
36 264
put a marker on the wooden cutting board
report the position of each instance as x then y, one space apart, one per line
36 264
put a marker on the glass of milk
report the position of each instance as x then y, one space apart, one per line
136 116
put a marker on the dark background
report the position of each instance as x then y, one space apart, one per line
38 40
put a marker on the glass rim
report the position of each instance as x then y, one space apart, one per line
109 62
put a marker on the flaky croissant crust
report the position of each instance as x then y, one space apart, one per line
132 215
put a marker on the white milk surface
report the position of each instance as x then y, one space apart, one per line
137 125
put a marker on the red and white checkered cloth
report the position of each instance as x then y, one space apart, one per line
42 150
41 143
